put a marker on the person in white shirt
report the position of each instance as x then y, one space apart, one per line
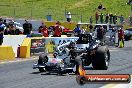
68 17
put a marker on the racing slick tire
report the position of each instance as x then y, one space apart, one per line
42 60
101 59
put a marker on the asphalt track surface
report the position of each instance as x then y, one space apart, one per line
21 74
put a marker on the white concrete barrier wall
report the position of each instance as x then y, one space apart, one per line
14 41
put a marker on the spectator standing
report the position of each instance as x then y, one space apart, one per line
114 19
121 19
91 20
100 34
4 22
96 17
130 20
57 30
111 17
44 30
107 18
101 18
2 27
1 35
77 29
68 17
91 28
40 27
27 27
11 28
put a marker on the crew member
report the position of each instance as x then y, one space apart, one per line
100 34
57 30
121 36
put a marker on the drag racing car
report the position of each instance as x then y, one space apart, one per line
70 55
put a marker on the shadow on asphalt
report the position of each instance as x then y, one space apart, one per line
36 72
53 74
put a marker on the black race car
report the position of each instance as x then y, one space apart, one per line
69 56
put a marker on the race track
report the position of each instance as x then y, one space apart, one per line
21 74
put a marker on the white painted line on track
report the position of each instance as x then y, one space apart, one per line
19 60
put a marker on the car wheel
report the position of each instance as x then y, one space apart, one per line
60 72
101 59
41 69
42 59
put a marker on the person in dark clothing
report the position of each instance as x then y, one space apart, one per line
4 22
100 33
1 35
96 17
100 7
2 28
91 20
121 19
130 20
27 27
107 18
129 2
111 17
91 28
114 19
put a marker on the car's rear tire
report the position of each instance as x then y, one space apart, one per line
41 69
101 59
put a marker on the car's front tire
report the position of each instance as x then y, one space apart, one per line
42 60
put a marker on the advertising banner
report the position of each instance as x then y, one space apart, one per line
47 45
